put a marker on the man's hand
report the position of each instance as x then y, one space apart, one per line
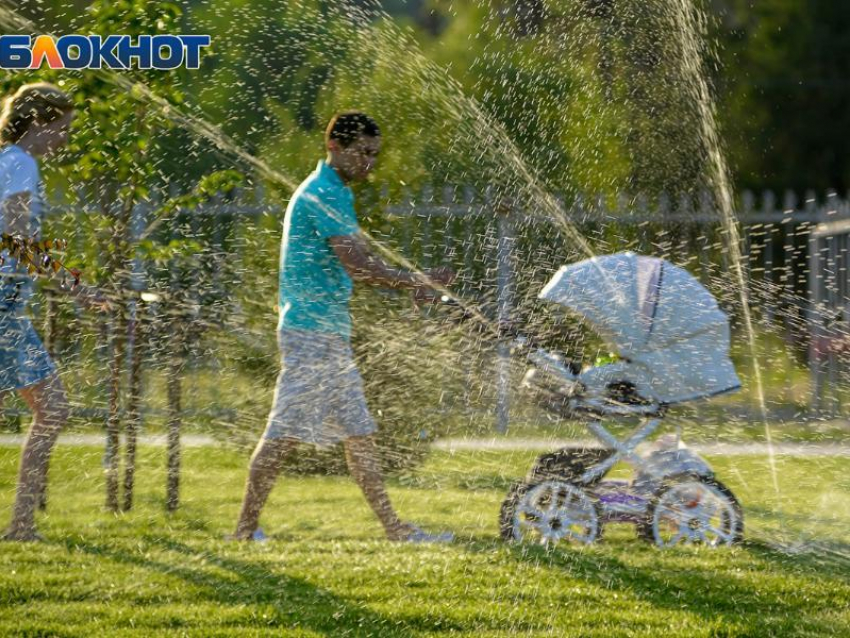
442 276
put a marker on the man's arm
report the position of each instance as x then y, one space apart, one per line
362 264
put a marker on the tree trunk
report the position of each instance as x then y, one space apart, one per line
174 419
113 420
134 418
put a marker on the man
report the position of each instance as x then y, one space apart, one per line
319 395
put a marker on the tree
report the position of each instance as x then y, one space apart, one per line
784 92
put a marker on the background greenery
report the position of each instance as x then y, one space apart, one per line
556 74
572 95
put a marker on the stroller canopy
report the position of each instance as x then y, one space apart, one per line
655 315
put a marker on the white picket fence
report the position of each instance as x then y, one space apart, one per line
795 251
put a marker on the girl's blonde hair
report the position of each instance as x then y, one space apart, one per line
40 102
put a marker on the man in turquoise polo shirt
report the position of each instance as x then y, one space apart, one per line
319 395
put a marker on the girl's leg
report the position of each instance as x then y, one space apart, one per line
49 406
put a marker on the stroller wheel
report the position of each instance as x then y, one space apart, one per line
550 511
692 510
509 505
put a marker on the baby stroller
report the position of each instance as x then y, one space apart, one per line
673 346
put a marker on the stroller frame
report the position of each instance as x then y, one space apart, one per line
673 499
624 450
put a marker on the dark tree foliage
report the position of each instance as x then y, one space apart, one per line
784 91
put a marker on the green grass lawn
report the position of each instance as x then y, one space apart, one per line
326 571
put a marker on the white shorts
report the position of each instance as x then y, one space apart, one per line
319 394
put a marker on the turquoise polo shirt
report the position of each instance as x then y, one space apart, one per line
315 289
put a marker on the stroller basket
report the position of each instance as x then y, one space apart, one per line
568 464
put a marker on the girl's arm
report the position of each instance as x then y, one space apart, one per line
16 217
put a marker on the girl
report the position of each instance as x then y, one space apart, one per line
34 124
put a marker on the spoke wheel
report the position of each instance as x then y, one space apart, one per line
551 511
696 511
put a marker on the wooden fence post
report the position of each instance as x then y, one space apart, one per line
815 323
504 274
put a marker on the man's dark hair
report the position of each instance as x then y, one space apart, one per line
345 128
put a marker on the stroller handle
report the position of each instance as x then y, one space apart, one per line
502 330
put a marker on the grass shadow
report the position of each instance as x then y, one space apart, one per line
823 558
697 587
407 620
295 601
773 515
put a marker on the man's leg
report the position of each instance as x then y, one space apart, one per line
362 458
298 406
266 463
49 406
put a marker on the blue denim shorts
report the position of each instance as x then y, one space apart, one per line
23 358
319 396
